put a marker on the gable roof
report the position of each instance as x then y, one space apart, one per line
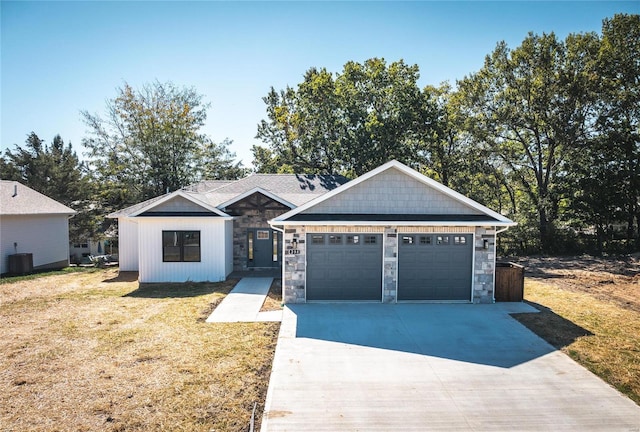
490 216
289 189
18 199
187 196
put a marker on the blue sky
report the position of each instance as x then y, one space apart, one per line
58 58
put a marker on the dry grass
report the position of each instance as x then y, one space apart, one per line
602 335
273 301
93 351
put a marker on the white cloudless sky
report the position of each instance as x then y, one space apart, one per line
58 58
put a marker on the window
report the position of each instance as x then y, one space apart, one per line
370 239
335 239
181 246
442 240
425 240
250 240
353 239
317 239
408 240
459 240
275 247
263 234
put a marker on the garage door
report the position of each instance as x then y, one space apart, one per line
434 266
344 267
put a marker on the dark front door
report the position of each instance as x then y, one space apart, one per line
263 247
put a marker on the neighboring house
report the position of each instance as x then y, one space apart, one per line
33 223
81 251
390 235
205 231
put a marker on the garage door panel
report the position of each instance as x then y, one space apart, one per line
435 267
342 268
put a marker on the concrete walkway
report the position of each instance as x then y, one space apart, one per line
244 301
430 367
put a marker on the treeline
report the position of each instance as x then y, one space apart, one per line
547 133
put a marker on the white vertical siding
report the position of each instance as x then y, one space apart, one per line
228 228
127 244
213 241
44 236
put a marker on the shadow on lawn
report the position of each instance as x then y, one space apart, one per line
123 276
181 290
556 330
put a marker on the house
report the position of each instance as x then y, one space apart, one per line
32 223
82 250
390 235
205 231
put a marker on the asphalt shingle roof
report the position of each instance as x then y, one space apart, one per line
18 199
296 189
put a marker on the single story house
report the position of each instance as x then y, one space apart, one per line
390 235
207 230
32 223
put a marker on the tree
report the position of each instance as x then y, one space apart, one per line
55 171
528 107
151 142
217 162
349 123
619 114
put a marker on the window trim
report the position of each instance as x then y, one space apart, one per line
180 240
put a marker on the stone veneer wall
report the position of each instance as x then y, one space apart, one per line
295 265
248 219
484 265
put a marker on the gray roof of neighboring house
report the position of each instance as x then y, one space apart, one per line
18 199
296 189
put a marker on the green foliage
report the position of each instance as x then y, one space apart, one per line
150 142
529 109
55 171
349 123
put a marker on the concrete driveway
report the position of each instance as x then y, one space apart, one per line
420 367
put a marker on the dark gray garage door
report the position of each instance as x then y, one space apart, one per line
344 267
434 266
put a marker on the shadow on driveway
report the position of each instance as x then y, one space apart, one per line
481 334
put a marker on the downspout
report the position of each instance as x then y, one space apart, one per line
273 227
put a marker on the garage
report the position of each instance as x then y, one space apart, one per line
435 267
344 267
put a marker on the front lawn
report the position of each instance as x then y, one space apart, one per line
94 351
599 333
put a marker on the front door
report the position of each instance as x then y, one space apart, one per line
263 247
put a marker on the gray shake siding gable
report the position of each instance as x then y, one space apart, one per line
409 197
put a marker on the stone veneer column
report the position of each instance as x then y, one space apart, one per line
390 278
294 266
484 265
